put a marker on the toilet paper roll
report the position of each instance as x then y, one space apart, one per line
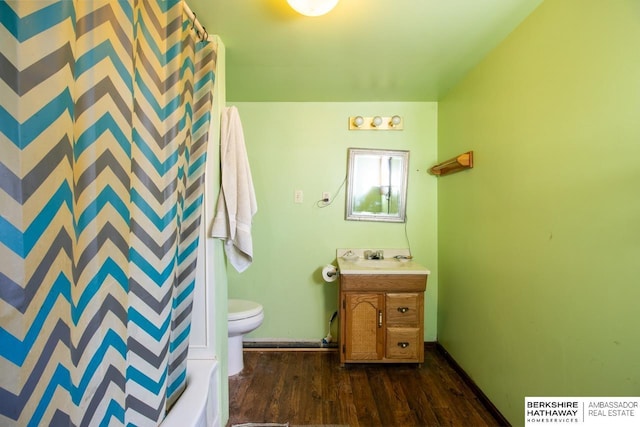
329 273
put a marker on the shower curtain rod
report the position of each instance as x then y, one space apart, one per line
202 31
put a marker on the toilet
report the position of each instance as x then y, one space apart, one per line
244 316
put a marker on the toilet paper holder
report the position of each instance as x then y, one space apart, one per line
330 273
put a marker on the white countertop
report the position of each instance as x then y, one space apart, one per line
388 265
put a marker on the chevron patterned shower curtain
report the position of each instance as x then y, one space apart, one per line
104 113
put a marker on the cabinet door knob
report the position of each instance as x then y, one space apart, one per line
403 309
379 318
403 344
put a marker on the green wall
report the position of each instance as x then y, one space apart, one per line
303 146
539 244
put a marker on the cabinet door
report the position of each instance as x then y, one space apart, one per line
364 329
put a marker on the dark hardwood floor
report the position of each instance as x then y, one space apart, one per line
311 388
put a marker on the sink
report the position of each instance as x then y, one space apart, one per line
388 265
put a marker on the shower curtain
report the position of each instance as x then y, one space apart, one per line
104 113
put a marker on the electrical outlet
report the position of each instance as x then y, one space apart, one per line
298 196
326 197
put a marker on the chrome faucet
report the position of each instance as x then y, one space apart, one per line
379 254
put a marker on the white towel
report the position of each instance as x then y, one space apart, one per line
237 200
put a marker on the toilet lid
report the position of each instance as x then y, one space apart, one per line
241 309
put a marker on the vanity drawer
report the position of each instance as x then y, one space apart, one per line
404 308
403 343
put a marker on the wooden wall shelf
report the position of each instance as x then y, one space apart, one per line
455 164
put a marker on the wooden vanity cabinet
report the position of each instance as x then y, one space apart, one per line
382 318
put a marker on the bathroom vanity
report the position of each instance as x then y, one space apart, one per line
381 306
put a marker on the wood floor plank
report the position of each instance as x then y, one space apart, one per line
273 409
366 408
240 383
294 387
311 394
311 388
389 397
256 406
417 400
337 386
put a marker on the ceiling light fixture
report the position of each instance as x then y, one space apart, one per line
312 7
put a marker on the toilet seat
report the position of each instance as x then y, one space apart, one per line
241 309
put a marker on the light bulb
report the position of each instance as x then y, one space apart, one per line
377 121
395 120
358 121
312 7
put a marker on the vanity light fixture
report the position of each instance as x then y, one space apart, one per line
312 7
376 123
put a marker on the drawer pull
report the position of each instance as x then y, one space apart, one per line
403 309
403 344
379 318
